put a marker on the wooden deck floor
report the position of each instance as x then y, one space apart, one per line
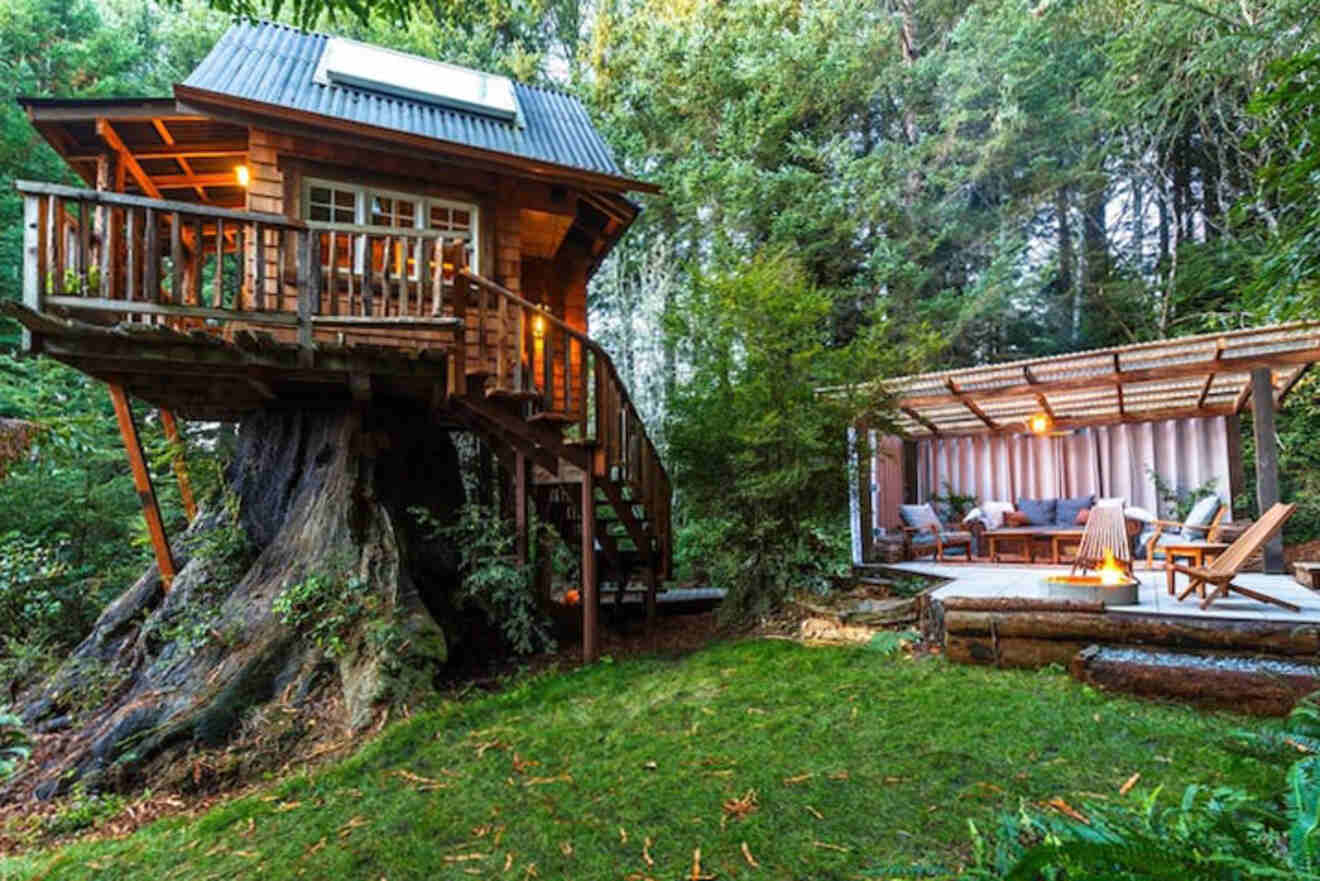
987 580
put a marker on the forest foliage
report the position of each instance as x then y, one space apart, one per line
848 190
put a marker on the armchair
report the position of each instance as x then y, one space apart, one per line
923 533
1201 525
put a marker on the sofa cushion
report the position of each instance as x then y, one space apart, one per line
1082 516
1202 513
918 516
1065 510
1040 512
1016 519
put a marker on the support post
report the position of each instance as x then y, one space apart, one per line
142 481
590 593
520 507
180 465
32 268
1267 458
652 587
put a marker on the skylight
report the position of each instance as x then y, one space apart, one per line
350 63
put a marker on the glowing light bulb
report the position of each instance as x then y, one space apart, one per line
243 175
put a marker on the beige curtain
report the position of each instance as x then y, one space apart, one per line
1112 460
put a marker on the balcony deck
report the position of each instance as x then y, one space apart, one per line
211 313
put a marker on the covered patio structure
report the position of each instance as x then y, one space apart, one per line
1106 422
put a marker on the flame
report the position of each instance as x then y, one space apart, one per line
572 598
1110 572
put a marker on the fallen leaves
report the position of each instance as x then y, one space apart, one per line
697 874
815 813
1129 783
355 823
521 765
740 808
825 845
542 781
1068 810
424 784
465 857
646 853
747 855
801 778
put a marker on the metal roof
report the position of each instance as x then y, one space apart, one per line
275 64
1203 375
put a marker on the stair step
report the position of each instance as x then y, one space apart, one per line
552 416
512 394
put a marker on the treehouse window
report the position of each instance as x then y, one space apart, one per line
373 218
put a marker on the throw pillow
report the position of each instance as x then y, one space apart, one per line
1082 516
1016 519
1065 511
994 513
1040 512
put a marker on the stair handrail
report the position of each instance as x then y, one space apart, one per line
605 362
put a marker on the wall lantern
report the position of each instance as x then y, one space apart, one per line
243 176
1040 423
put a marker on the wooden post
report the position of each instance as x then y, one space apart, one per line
1267 458
520 507
590 596
142 480
180 465
32 268
652 587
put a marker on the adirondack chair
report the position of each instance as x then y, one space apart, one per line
1106 530
1225 568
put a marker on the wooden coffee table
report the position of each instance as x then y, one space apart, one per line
1027 535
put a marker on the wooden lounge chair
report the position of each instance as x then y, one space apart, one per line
1106 529
1225 568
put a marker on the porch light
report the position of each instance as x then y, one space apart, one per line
1040 423
538 326
243 176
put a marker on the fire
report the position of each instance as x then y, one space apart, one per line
1110 572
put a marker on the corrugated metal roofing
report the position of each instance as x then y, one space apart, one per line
1195 375
274 64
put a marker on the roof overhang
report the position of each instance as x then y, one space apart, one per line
1185 377
164 152
220 105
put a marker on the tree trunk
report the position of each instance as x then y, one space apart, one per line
318 498
1067 262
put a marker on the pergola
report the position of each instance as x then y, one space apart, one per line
1216 374
1205 375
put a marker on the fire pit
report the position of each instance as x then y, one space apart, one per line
1110 585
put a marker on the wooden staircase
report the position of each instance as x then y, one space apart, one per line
546 395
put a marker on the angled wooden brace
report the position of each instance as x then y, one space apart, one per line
142 481
179 464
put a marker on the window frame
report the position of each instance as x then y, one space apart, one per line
422 204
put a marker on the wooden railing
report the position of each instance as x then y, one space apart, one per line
531 353
155 261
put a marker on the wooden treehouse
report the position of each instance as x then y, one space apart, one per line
309 221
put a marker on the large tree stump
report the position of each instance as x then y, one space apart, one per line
322 495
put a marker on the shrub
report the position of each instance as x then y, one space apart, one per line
492 578
326 606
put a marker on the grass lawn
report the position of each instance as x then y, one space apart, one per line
858 762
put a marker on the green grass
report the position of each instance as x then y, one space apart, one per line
925 746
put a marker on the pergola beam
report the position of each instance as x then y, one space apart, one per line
1118 386
1289 383
1242 364
972 406
926 423
1132 417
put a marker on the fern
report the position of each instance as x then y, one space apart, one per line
14 744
